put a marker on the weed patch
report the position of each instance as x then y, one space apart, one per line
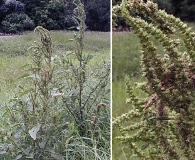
63 112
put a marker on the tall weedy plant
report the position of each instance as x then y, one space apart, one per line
34 116
87 89
164 121
63 113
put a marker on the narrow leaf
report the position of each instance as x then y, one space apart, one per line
18 156
57 94
42 144
18 132
25 92
73 27
24 76
24 66
145 145
69 40
34 130
160 118
32 69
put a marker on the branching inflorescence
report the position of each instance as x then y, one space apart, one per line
166 118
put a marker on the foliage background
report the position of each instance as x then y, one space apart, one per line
52 14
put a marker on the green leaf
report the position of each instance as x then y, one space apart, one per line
145 145
73 27
69 40
74 92
160 118
57 94
25 92
89 57
32 69
27 151
30 157
24 76
24 66
18 132
34 130
18 156
42 144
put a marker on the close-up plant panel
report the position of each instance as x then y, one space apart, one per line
158 118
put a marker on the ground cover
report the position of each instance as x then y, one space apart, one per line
14 54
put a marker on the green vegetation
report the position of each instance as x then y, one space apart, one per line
153 130
126 49
14 53
59 107
17 16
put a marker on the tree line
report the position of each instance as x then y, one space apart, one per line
183 9
20 15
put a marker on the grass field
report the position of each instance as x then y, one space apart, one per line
126 58
14 54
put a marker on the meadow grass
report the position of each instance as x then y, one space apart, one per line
126 61
126 55
9 71
14 54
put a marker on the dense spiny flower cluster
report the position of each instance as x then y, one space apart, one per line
170 83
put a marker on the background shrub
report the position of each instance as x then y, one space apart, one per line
57 14
98 14
14 23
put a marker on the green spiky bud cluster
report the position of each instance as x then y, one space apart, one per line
164 120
